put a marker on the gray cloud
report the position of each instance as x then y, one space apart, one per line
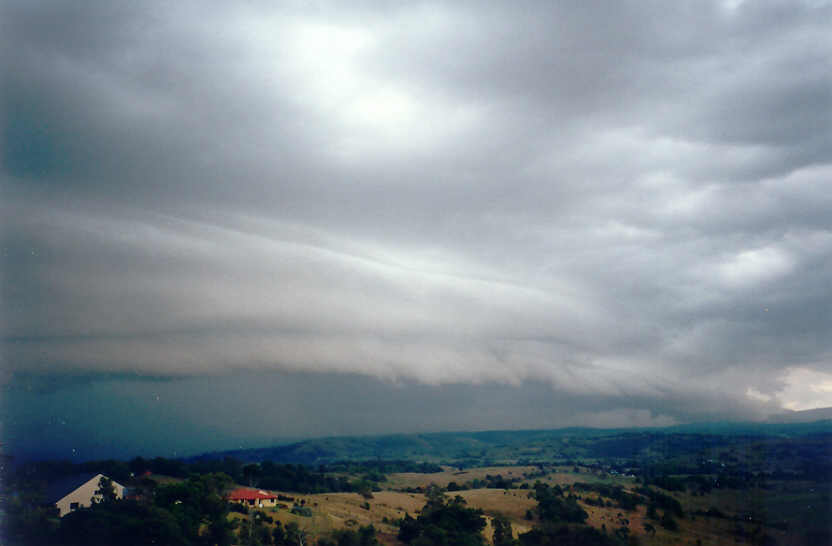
627 202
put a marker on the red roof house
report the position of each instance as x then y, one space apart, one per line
253 497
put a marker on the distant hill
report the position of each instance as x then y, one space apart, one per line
805 416
431 446
514 446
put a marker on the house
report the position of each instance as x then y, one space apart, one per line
80 491
253 497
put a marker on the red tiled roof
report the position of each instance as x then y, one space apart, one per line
250 494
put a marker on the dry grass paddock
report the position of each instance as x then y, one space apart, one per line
334 511
403 480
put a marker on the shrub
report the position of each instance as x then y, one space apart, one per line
239 508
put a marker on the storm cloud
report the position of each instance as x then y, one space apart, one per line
628 203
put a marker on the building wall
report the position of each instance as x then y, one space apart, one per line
255 503
85 494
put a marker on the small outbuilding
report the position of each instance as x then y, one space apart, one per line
79 491
256 498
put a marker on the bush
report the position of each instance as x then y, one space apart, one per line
364 536
552 507
715 512
301 511
239 508
567 535
668 522
444 522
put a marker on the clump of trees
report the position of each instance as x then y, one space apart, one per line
660 500
553 507
668 522
622 498
443 522
503 535
376 470
267 474
561 521
364 536
568 535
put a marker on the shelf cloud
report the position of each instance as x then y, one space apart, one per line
627 202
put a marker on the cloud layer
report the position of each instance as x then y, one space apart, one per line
626 201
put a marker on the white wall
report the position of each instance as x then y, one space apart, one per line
85 495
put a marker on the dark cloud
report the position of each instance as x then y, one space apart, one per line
123 416
624 202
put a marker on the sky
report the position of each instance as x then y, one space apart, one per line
232 223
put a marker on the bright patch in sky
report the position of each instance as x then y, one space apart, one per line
755 266
805 389
754 394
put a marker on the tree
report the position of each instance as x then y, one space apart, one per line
552 507
250 473
502 531
106 491
295 535
220 531
200 507
567 535
364 536
668 522
443 522
408 529
278 534
244 535
125 523
28 521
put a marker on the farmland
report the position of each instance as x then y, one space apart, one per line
606 487
742 513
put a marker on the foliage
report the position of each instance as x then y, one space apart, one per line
553 507
299 478
502 531
443 522
126 522
660 500
28 522
293 534
623 499
364 536
668 522
567 535
191 513
254 532
376 470
106 491
303 511
239 508
669 483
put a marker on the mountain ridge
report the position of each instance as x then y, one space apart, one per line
497 445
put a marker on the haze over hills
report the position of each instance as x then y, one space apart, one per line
803 416
506 446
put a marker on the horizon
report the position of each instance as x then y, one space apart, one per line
787 418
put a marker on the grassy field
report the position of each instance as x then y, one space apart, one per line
442 479
800 503
333 511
